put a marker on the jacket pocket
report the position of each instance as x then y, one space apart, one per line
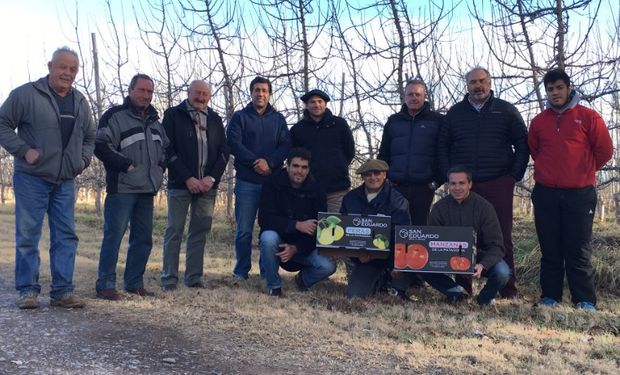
136 179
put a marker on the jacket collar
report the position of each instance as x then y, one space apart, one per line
151 112
249 107
573 100
488 102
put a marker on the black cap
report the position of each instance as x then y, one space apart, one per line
315 92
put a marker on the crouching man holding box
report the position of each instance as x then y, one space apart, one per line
466 208
374 197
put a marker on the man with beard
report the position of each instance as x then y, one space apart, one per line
487 135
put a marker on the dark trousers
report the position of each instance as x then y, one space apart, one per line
499 193
563 219
420 198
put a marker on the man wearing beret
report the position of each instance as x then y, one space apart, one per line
375 197
330 141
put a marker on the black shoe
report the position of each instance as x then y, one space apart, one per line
140 292
457 298
277 292
197 284
169 287
300 283
399 294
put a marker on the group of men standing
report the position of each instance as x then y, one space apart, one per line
481 148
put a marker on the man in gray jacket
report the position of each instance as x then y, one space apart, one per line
54 143
131 144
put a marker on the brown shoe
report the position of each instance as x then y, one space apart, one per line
27 302
109 294
68 301
140 292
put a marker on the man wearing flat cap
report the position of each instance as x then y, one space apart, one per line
375 197
330 141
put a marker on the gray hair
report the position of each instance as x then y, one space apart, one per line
416 81
196 81
64 49
477 68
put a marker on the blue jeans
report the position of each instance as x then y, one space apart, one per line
247 198
313 267
200 220
33 198
497 277
122 209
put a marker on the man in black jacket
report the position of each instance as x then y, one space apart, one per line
197 156
330 141
289 204
409 147
488 136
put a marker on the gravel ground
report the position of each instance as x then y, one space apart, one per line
52 340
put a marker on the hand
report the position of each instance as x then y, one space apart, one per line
365 258
206 184
193 185
32 156
130 168
262 167
287 253
306 226
478 268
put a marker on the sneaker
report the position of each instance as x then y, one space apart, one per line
109 294
27 302
140 292
68 301
276 292
586 306
239 280
547 301
300 283
487 303
169 287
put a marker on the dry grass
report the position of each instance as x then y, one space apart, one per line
323 332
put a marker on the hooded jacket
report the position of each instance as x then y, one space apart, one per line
32 109
475 212
182 151
330 141
253 136
569 145
409 146
126 138
282 206
484 141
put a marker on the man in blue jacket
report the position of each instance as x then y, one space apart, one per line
131 144
488 136
375 197
53 144
289 204
197 156
259 140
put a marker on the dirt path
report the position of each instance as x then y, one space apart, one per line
59 341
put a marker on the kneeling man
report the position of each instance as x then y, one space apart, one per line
464 208
289 204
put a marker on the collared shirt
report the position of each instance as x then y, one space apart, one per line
200 123
478 107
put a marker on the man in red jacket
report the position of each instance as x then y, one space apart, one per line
568 143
